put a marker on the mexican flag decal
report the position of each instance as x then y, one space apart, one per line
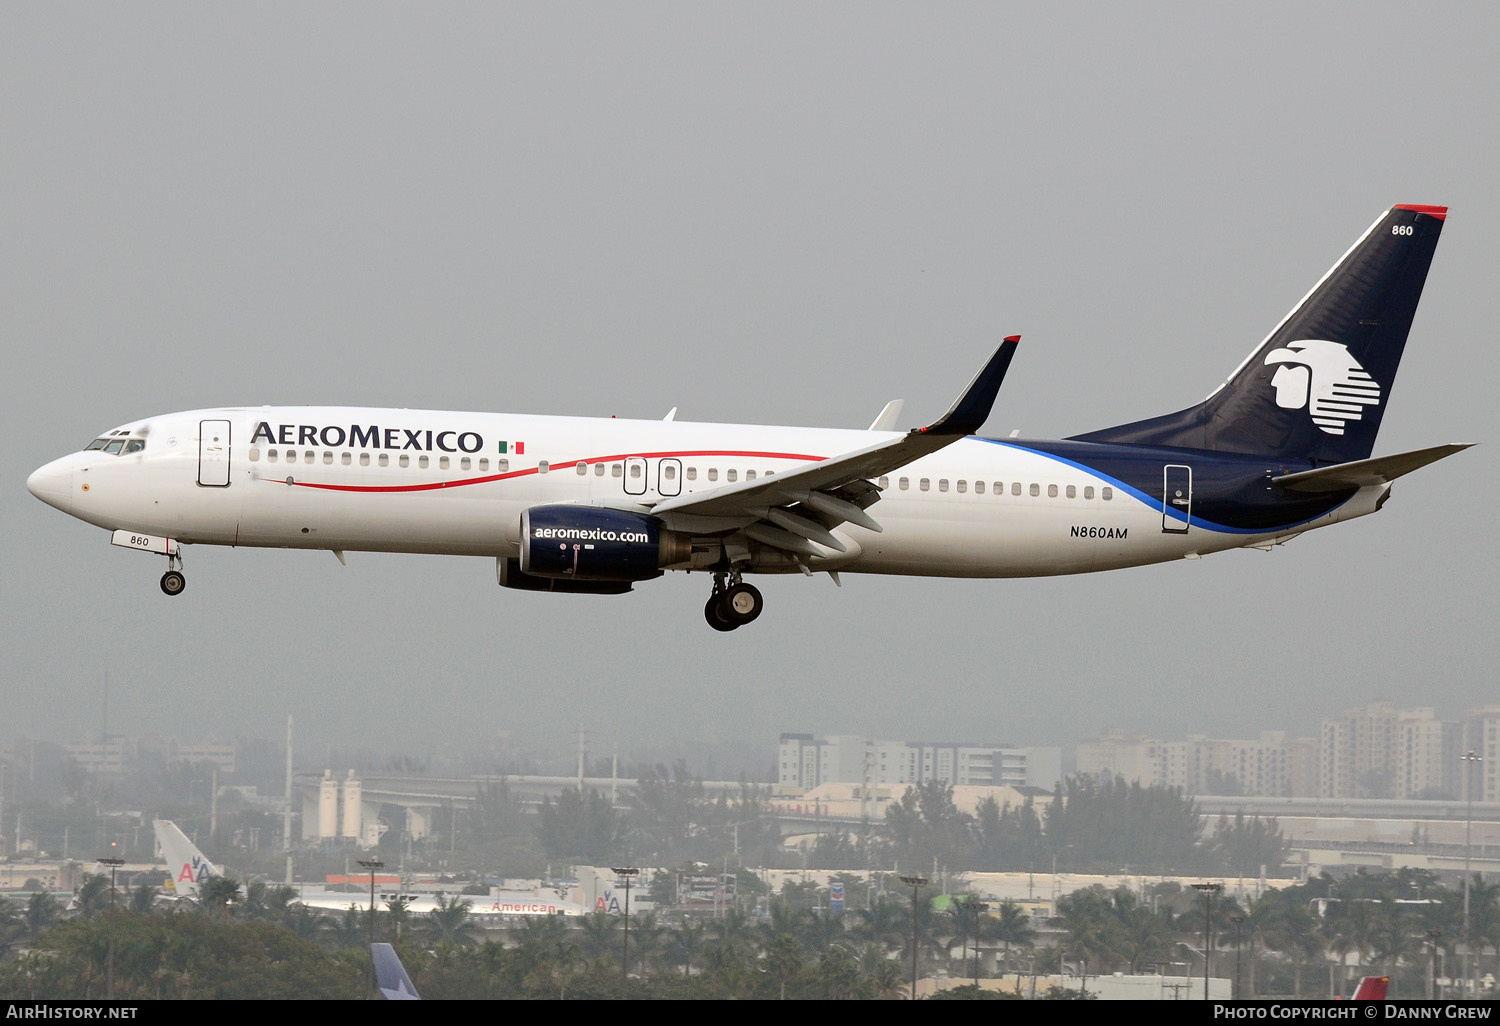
519 448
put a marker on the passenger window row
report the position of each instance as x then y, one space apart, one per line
997 488
423 461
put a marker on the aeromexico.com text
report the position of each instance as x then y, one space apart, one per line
368 436
587 534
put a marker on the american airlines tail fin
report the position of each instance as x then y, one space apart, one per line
1371 988
390 975
187 866
1317 386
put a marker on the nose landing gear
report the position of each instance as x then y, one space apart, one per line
733 603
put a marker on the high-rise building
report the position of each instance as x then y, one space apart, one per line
804 761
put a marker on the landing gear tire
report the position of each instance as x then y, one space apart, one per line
172 582
714 613
742 603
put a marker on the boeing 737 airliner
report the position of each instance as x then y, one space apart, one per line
568 504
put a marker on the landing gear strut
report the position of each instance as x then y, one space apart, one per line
733 603
172 582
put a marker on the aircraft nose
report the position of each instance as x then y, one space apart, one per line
53 484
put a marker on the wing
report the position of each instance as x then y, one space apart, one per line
792 511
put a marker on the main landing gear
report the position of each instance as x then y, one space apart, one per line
733 603
172 582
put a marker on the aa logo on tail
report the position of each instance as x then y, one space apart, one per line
1323 377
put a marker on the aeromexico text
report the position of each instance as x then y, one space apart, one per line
368 437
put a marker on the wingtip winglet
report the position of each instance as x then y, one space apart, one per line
972 409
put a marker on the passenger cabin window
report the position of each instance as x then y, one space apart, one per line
1015 488
543 467
617 470
961 486
1088 491
484 464
635 471
942 484
978 487
731 475
385 459
405 460
254 454
309 456
442 463
1072 492
270 455
669 472
468 464
364 459
583 469
422 461
1107 493
1036 490
884 483
749 475
713 473
599 469
1052 491
692 473
904 483
925 484
503 466
328 458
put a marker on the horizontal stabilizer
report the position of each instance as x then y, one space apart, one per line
1360 473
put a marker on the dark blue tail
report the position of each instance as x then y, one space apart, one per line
1317 387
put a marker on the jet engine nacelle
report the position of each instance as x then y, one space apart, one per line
591 543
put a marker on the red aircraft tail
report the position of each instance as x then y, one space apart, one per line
1371 988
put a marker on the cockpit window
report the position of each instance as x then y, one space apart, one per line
116 446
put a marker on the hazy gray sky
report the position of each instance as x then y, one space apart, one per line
776 213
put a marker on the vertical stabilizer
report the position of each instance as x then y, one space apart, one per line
186 865
1317 387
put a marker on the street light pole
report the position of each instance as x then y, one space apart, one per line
914 882
627 872
1208 890
370 865
1469 758
114 864
1236 920
975 908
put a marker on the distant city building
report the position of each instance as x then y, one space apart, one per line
1267 766
116 754
805 761
1379 751
1481 732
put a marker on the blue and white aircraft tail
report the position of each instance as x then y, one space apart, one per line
1316 388
390 975
594 506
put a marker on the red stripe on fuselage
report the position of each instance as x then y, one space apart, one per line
435 485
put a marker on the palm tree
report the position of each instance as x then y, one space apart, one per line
40 912
1295 933
1010 925
684 944
399 911
143 899
448 922
218 894
599 936
92 895
784 960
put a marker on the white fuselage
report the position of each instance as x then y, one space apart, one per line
345 478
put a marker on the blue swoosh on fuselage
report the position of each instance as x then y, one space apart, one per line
1232 493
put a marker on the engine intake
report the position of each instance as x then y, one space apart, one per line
591 543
